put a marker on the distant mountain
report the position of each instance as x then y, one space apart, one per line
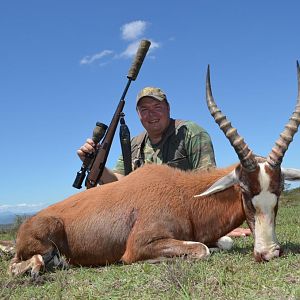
8 217
8 212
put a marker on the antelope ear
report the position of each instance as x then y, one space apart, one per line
291 174
221 184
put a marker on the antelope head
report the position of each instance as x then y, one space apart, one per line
260 179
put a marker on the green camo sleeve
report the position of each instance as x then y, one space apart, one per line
119 167
199 147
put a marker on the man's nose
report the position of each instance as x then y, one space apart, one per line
151 113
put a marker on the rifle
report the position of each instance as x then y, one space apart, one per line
94 164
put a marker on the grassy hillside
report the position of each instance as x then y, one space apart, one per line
225 275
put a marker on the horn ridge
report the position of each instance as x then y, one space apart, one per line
285 138
245 155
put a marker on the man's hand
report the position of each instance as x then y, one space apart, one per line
89 147
86 148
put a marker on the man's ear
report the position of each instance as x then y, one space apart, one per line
168 105
138 112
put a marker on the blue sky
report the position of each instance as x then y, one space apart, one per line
63 66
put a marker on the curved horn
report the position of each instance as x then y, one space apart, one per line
281 145
245 155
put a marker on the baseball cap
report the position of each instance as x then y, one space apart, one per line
153 92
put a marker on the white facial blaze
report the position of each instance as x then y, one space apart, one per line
264 203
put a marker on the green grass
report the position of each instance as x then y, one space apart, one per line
225 275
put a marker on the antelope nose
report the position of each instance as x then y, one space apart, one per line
266 256
269 256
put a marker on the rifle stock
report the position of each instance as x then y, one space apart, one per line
97 166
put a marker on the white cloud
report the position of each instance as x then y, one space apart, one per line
133 30
131 49
23 207
154 45
90 59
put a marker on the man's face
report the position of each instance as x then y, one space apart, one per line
154 115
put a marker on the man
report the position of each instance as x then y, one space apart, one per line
180 144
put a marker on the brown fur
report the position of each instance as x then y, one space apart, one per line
136 218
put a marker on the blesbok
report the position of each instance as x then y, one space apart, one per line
153 214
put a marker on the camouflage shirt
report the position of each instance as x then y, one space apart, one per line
185 145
